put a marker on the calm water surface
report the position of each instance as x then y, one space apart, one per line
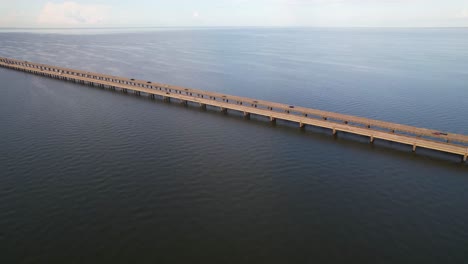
94 176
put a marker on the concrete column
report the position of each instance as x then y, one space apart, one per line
414 148
224 110
203 106
465 157
371 139
301 125
246 114
272 119
334 132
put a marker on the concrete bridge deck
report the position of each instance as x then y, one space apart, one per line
374 129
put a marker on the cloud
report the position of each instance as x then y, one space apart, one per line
332 2
72 14
13 19
464 13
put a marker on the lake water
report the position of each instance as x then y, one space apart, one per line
95 176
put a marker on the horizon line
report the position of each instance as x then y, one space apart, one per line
127 27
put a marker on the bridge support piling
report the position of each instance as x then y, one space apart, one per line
203 106
272 119
184 102
301 125
414 148
334 132
465 157
371 140
246 115
223 110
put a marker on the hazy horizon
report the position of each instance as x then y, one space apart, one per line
233 13
111 27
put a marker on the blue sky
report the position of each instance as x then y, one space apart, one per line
322 13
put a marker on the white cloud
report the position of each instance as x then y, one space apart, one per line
72 14
195 14
13 19
464 13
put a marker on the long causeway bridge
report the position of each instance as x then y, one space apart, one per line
373 129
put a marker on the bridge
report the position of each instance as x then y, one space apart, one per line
373 129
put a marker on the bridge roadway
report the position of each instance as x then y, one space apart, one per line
374 129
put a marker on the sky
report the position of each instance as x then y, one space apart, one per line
236 13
